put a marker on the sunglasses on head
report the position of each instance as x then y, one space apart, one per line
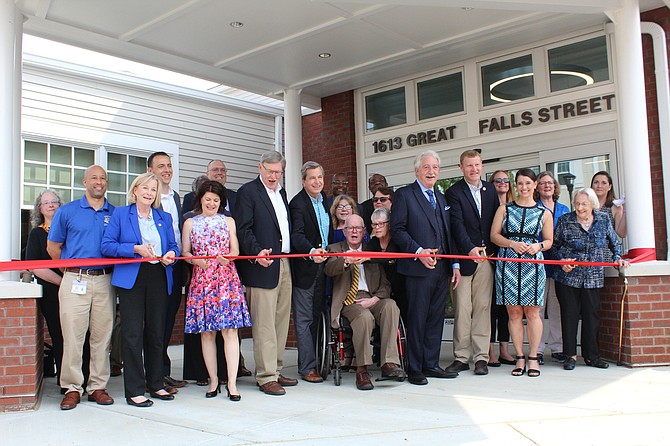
501 180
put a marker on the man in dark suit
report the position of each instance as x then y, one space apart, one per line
420 224
160 164
310 233
216 171
367 207
263 229
473 204
361 293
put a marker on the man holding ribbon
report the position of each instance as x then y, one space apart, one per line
361 293
86 295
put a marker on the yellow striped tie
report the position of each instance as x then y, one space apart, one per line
351 295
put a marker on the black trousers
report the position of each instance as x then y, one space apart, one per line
49 309
427 297
499 321
173 304
142 323
576 302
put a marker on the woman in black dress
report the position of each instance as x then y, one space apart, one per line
46 205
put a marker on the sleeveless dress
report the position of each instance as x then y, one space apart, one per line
215 298
520 283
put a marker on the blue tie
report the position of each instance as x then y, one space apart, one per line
431 198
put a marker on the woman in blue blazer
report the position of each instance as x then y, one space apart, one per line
142 230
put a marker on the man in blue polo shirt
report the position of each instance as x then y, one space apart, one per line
86 295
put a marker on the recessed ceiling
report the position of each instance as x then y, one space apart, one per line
279 45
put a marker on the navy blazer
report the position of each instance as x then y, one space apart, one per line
414 225
121 236
258 229
469 229
305 235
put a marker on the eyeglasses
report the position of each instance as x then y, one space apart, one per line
354 228
379 225
501 180
381 199
343 207
276 173
46 203
218 169
545 183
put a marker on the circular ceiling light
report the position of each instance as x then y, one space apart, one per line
325 55
236 24
503 95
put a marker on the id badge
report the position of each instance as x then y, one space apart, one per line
79 287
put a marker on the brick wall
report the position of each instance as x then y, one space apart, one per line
646 328
21 353
329 138
660 16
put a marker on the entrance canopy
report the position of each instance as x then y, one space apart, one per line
317 47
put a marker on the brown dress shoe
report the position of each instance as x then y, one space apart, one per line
287 382
171 390
243 371
272 388
481 368
70 401
457 366
393 371
363 381
312 377
170 381
116 371
101 397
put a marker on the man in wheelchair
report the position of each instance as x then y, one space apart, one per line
361 293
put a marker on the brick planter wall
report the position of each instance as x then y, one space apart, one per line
21 354
646 327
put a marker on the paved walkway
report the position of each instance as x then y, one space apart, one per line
587 406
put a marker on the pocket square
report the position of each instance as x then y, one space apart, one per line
447 207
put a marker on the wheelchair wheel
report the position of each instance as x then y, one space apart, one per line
323 346
402 345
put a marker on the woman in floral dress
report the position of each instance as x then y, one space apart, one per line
215 298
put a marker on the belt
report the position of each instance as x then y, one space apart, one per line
90 271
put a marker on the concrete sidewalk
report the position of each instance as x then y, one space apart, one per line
587 406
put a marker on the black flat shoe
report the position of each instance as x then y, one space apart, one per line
145 403
597 363
214 392
519 371
507 361
533 373
569 364
167 397
418 379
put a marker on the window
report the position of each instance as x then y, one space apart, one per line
385 109
576 173
507 81
578 64
54 166
122 169
440 96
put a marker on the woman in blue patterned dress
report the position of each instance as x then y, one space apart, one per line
520 285
215 298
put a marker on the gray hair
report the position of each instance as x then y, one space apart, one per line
420 156
272 157
309 165
381 213
198 181
36 217
590 194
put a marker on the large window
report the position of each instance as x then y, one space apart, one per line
122 169
54 166
579 64
576 173
440 96
385 109
507 81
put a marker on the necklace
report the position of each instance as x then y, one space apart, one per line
586 224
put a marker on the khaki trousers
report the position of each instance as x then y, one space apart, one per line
472 321
79 313
270 310
362 320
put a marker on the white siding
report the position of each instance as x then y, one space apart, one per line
203 128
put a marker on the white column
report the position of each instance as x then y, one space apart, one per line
293 146
11 32
633 127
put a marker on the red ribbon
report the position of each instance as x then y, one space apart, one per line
20 265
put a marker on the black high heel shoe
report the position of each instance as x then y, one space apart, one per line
214 392
232 397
